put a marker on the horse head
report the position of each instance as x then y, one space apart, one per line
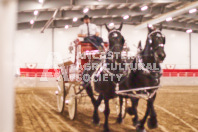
155 43
116 40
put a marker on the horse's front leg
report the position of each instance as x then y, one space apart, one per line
119 119
96 119
133 110
94 102
140 126
152 121
106 113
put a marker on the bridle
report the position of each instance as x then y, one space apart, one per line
151 41
152 50
115 30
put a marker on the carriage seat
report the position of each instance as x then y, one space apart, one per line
67 63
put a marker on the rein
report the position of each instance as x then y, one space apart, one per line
146 71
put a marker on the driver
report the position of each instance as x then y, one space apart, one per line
90 33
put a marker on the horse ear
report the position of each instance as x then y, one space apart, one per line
140 46
150 27
161 27
120 28
107 27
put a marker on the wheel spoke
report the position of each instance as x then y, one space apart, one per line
61 95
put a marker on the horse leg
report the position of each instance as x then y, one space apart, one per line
94 102
134 110
96 119
106 113
119 119
152 121
140 126
90 94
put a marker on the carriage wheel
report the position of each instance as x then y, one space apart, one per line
124 106
72 102
60 93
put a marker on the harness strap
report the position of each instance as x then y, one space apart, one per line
97 73
141 66
102 68
145 70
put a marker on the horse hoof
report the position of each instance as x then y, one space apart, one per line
106 130
140 129
152 123
135 122
96 122
119 121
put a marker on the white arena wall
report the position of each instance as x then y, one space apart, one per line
35 47
35 82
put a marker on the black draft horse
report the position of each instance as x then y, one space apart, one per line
106 85
153 54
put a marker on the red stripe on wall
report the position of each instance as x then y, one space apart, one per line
26 72
180 72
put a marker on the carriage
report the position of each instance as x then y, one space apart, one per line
144 82
69 90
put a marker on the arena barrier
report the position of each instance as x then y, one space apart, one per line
26 72
180 73
180 77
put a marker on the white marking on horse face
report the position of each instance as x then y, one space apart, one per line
158 35
115 35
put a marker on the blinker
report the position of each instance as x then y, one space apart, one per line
150 41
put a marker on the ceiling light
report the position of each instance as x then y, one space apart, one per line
66 26
126 17
144 8
169 19
40 1
75 19
86 10
36 12
99 0
189 31
192 10
31 21
111 24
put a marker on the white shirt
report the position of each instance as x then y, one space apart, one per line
93 29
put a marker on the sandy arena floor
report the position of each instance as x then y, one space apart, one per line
35 111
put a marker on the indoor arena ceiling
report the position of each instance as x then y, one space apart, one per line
173 14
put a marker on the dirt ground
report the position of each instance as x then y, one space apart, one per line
36 111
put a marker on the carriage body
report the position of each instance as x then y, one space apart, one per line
84 53
70 91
